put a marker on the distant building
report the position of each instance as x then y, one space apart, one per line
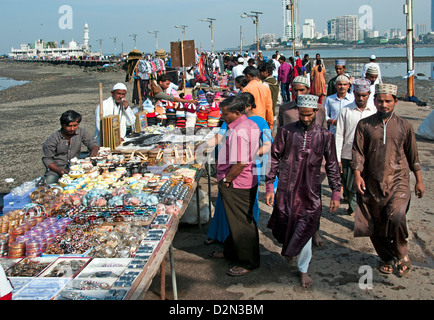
420 29
50 50
393 33
309 29
287 21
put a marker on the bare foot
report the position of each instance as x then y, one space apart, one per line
317 241
305 280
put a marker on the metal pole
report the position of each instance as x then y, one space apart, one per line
292 28
408 10
257 33
212 34
241 40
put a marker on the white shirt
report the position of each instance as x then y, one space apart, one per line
127 117
276 68
365 68
237 71
333 106
348 119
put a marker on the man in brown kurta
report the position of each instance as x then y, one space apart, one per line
384 150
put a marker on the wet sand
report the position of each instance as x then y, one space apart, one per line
31 112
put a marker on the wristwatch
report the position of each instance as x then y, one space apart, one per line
225 180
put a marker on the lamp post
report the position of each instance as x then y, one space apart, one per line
135 40
183 29
291 7
211 25
255 17
155 33
408 11
114 39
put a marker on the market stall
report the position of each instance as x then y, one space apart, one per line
104 232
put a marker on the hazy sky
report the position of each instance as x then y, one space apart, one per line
24 21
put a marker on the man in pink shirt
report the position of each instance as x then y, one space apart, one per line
238 183
285 76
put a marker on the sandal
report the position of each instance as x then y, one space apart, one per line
386 267
217 255
238 271
210 241
404 267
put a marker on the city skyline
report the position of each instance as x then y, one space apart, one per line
27 21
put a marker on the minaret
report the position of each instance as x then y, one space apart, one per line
86 37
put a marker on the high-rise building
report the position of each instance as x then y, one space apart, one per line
344 28
308 29
287 21
420 29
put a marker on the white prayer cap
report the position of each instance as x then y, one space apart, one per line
386 88
301 80
372 69
307 101
119 86
342 78
373 57
240 60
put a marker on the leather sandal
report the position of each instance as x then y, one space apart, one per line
217 255
386 267
404 267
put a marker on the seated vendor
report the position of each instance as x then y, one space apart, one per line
159 91
64 145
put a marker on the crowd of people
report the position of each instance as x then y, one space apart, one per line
281 126
346 130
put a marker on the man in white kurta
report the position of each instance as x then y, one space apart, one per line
115 105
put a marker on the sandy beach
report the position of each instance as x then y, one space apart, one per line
30 113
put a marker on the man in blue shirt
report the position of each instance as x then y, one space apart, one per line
334 103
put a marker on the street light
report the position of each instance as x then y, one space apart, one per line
135 42
291 7
183 29
255 17
114 39
156 38
210 20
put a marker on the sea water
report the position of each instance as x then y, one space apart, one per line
6 83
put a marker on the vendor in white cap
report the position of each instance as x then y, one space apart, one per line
372 62
115 105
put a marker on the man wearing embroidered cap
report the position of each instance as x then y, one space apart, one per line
116 104
340 68
296 156
372 62
345 128
383 152
288 112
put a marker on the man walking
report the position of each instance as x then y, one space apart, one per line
384 150
296 156
348 118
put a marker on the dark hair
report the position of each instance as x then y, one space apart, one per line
267 66
251 60
234 104
242 81
70 116
164 77
251 71
282 58
318 63
248 99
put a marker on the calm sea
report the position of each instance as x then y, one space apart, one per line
7 83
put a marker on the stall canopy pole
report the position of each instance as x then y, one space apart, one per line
101 113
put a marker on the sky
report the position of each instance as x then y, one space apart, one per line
25 21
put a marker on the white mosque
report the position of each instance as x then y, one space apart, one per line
46 50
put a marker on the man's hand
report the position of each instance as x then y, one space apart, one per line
125 103
341 170
359 183
419 189
269 199
334 205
